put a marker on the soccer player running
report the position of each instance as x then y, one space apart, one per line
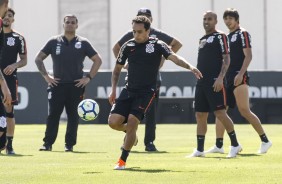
67 84
14 46
144 55
238 80
213 62
150 119
6 98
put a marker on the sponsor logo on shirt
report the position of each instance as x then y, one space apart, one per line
211 38
243 40
234 38
131 44
202 43
58 49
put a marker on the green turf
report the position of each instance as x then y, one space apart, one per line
97 151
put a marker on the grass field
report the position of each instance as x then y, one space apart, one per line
97 151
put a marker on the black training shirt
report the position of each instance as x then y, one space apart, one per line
238 40
155 33
68 56
143 62
211 49
14 45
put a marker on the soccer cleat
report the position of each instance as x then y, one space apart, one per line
196 153
45 148
215 149
10 150
120 165
68 148
264 147
150 147
234 151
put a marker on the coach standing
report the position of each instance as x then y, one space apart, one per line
14 46
66 86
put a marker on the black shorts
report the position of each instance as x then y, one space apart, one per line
206 100
12 82
133 103
231 101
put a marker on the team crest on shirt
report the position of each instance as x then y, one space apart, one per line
234 38
210 39
77 45
11 41
150 48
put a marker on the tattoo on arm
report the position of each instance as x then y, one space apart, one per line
225 65
115 77
40 65
1 75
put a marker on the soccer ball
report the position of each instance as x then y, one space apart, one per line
88 109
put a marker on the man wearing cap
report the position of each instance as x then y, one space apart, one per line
150 119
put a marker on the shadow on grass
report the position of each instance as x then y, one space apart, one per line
78 152
238 156
92 172
149 152
249 155
15 155
137 169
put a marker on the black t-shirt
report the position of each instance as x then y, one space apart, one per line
154 33
238 40
1 37
143 62
211 49
14 45
68 56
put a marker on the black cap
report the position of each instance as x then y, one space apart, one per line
144 11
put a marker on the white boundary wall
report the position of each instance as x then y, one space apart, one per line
37 20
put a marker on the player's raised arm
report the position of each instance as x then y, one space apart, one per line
180 61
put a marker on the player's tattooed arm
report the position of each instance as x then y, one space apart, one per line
218 84
115 75
1 75
225 65
115 78
39 63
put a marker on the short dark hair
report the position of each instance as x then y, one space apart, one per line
232 12
144 11
72 16
12 11
142 20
